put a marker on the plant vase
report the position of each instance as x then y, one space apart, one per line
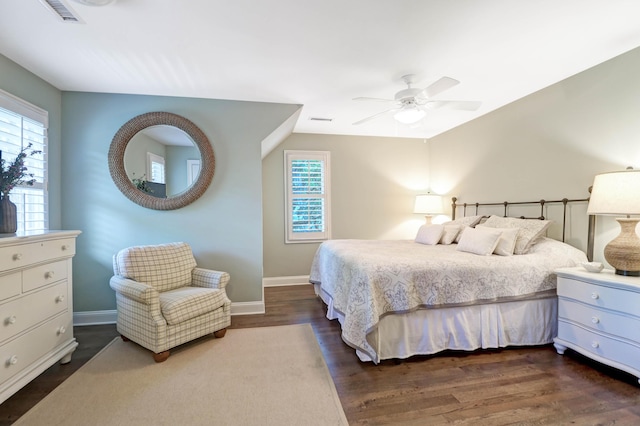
8 216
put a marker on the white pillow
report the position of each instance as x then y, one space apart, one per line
464 222
530 230
482 241
450 233
506 242
429 234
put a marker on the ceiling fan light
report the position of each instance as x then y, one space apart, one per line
409 115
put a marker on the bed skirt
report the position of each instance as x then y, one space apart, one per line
428 331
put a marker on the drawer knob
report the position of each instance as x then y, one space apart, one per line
49 274
60 298
61 330
595 344
595 295
10 320
17 256
13 360
595 320
64 247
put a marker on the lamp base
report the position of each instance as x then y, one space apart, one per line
628 273
623 252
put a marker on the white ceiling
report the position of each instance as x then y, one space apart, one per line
321 54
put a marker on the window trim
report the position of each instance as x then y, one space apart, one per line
307 237
155 159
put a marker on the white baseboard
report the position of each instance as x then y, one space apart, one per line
247 308
282 281
95 317
110 316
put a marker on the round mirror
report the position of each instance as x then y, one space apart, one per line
161 161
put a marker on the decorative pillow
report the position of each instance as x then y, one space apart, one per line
429 234
450 233
457 238
466 221
530 230
506 242
482 241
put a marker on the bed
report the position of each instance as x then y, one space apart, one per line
397 299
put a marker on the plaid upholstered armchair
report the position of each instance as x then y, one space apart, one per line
164 300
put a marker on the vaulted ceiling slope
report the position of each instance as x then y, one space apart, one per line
321 54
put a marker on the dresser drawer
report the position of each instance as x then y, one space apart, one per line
10 285
623 325
607 347
42 275
17 256
20 314
616 299
19 353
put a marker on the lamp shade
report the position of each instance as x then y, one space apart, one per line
428 204
615 193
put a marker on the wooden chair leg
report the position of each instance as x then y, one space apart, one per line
124 338
162 356
220 333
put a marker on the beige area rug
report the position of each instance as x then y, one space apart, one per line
253 376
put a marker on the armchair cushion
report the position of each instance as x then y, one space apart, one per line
184 303
163 266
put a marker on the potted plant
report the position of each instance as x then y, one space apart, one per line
141 183
12 174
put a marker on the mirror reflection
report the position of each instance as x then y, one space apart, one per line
162 161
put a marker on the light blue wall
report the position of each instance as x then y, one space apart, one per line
224 227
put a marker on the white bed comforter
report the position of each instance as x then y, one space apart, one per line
367 279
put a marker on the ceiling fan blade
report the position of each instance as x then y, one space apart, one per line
439 86
371 117
364 98
461 105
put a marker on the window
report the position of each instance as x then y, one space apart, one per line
21 124
307 196
155 168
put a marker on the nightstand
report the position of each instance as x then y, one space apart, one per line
599 317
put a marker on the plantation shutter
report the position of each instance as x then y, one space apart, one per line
307 189
22 124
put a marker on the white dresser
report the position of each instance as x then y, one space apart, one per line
599 317
36 306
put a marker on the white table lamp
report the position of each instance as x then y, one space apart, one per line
618 194
429 205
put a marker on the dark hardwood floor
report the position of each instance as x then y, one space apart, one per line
523 386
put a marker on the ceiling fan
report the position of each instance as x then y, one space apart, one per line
410 104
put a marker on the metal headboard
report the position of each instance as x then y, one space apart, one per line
542 203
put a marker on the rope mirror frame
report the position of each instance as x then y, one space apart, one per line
116 160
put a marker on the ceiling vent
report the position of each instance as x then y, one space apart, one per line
320 119
61 10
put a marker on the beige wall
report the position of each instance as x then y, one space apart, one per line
373 186
548 145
